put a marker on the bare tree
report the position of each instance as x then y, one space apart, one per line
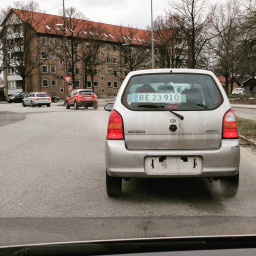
194 21
133 55
169 42
227 41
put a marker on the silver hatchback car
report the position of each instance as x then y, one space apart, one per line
172 123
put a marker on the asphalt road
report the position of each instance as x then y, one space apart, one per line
52 185
247 113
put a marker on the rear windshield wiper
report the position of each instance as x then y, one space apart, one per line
150 106
178 115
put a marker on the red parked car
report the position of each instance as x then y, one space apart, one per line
82 98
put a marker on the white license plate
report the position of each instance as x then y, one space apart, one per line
173 165
43 99
87 98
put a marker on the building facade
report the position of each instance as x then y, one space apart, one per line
39 51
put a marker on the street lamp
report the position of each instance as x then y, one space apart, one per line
152 37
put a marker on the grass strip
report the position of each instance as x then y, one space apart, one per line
247 128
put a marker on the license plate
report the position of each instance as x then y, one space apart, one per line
87 98
173 165
43 99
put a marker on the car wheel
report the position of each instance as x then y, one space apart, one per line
113 185
67 105
32 104
48 105
40 106
23 104
229 185
55 100
96 106
76 105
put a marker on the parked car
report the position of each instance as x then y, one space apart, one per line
238 91
17 97
82 98
37 99
54 98
156 134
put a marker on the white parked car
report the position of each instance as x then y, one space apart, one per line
37 99
238 91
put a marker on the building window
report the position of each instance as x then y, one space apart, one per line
115 72
77 84
44 69
115 60
53 55
43 40
61 77
95 84
109 95
54 83
45 83
102 78
108 59
61 62
52 40
87 45
101 53
109 84
95 71
89 84
53 69
69 70
77 70
115 85
109 71
102 90
61 49
11 84
44 55
114 48
61 90
108 47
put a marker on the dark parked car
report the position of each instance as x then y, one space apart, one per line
17 97
55 98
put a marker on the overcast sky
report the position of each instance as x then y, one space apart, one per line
133 13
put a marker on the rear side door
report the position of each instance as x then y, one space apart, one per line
154 120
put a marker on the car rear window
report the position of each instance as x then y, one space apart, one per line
172 91
42 95
86 92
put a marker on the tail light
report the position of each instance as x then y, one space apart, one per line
49 98
36 98
79 95
115 126
229 126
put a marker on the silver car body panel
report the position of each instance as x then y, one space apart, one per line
147 134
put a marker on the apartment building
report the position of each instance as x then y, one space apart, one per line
40 51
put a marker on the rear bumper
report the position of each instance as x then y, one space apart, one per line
87 103
121 162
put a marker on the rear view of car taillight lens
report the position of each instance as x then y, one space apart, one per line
229 126
115 126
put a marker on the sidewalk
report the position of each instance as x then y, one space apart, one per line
243 106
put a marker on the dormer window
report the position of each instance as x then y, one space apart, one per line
47 27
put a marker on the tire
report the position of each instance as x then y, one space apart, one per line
229 185
32 104
75 105
48 105
67 106
40 106
55 100
23 104
96 106
113 186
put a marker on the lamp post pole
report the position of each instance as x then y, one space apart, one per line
64 49
152 37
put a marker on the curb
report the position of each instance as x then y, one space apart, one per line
251 142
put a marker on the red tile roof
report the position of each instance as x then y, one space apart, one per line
47 24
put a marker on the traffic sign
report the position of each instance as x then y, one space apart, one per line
70 87
68 79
